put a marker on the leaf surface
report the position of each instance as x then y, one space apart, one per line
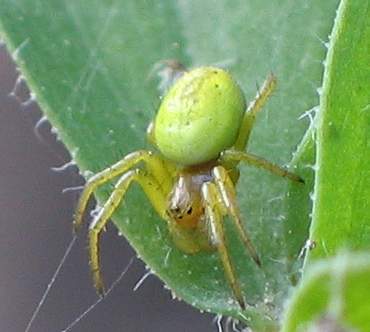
334 291
341 215
332 297
88 62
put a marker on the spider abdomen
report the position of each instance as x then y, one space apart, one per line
199 117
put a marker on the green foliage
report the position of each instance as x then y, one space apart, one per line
335 290
89 62
341 215
333 293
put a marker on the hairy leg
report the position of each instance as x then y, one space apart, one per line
155 194
227 191
253 108
154 164
214 216
230 156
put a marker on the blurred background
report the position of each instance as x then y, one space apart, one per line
36 229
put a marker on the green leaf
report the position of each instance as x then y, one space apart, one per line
298 205
88 64
341 215
333 294
334 291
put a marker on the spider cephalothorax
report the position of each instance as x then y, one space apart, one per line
201 132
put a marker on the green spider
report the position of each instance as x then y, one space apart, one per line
200 131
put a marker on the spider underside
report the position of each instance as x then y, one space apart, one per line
193 200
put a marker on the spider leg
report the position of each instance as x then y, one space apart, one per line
155 165
150 134
253 108
155 194
214 216
237 156
227 191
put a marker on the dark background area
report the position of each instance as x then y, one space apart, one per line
36 228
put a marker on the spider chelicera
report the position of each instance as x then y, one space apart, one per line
200 133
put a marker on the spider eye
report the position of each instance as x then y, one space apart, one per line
189 211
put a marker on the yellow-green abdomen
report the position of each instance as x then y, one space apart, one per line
199 117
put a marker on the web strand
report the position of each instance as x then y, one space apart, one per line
91 307
141 280
51 283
